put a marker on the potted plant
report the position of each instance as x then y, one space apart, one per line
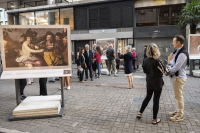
190 14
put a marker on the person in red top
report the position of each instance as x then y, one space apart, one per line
134 59
97 58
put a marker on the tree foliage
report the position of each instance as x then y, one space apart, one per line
190 14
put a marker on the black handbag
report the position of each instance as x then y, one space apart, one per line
135 58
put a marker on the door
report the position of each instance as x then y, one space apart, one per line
78 45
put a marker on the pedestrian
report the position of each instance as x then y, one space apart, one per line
88 62
134 59
30 81
81 64
145 50
128 69
94 66
77 54
110 54
154 79
43 86
22 85
66 84
178 61
97 59
118 60
53 79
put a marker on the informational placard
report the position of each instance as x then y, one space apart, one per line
194 46
104 45
34 51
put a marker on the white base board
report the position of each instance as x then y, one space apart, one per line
38 105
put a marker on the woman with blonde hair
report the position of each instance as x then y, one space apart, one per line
128 68
154 79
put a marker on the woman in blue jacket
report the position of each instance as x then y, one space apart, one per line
128 68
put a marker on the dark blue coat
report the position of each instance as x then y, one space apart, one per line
128 58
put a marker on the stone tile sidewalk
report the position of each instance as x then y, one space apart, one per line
105 106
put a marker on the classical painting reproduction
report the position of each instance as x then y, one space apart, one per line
36 47
194 45
104 44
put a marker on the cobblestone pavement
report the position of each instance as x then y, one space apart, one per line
105 106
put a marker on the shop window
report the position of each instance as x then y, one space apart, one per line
48 17
66 17
26 18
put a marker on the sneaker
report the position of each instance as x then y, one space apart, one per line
92 79
57 78
115 75
68 88
32 82
29 83
86 79
99 76
51 80
172 113
177 117
82 81
22 97
109 74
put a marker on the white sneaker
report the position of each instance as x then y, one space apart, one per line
29 83
68 88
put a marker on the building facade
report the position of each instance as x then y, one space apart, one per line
130 22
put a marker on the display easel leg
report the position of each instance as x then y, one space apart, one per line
17 91
62 93
191 67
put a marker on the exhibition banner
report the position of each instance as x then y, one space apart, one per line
30 51
194 46
104 45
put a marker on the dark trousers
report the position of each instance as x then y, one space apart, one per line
133 62
43 86
22 84
86 72
117 63
156 99
81 74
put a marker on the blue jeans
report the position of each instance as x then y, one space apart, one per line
99 68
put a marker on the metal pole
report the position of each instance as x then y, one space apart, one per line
134 22
17 91
191 67
62 92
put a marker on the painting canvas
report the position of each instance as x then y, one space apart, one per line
104 44
35 47
194 46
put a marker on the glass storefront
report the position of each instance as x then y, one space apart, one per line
26 18
48 17
66 17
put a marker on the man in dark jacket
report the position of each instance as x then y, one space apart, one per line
88 62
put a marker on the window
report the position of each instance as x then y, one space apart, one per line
49 17
26 18
164 15
66 17
5 15
1 14
1 22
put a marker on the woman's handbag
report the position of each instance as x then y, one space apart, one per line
80 69
135 58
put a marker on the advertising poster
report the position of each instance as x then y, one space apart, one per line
35 51
194 46
104 45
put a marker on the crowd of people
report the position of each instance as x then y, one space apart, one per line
152 67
